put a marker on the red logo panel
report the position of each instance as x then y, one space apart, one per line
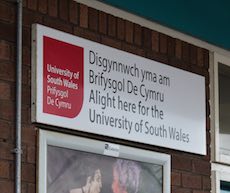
62 78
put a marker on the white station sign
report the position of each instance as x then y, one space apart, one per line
83 85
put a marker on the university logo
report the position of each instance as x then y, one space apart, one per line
63 78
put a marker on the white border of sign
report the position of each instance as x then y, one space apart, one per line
181 126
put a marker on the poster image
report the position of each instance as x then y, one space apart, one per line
73 171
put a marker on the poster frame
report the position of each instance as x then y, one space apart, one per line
94 146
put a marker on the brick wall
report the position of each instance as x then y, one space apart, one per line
190 173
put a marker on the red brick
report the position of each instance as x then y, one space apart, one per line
102 22
206 183
83 16
207 94
26 115
31 154
181 163
201 167
31 188
93 19
28 173
207 109
6 129
73 12
53 8
111 26
120 29
5 90
129 31
86 34
208 123
24 153
208 156
155 41
58 24
195 69
4 169
185 51
6 150
29 77
178 49
24 3
208 139
207 77
43 6
191 181
9 110
29 18
7 12
200 191
8 33
181 190
26 75
137 34
28 134
157 56
26 95
64 9
175 179
173 61
200 57
5 50
111 42
7 71
171 46
26 56
32 4
12 171
206 59
163 44
26 36
193 54
133 49
147 37
6 186
24 187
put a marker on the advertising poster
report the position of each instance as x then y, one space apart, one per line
73 171
86 86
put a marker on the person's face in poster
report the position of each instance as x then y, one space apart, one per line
126 176
96 184
115 185
93 184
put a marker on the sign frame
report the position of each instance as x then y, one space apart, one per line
184 91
